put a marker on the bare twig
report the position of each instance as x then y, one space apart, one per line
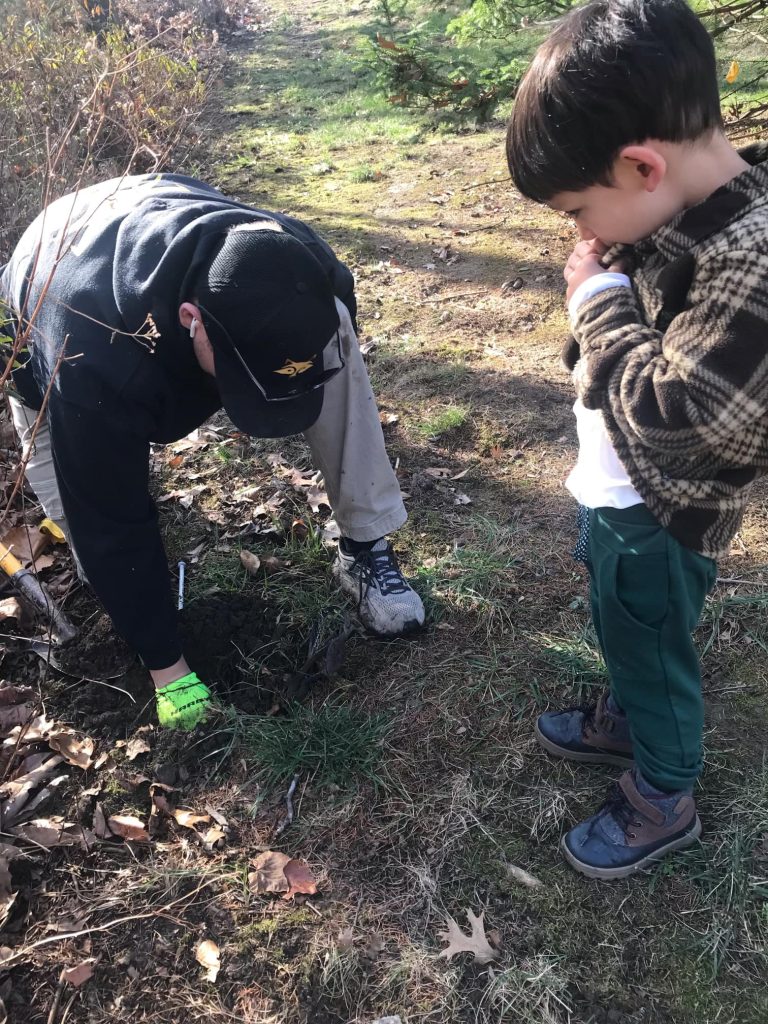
288 819
448 298
56 1000
21 954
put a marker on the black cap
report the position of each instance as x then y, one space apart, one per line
268 308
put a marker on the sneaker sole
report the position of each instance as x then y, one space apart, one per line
622 760
606 874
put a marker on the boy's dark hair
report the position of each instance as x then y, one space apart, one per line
612 73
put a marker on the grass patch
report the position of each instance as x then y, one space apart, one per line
444 420
576 659
477 576
359 175
334 744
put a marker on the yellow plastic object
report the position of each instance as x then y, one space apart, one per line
54 532
733 72
9 563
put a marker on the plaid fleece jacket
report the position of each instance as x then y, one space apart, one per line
679 362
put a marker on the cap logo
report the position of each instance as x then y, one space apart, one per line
293 368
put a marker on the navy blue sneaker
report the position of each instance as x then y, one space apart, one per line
630 832
592 734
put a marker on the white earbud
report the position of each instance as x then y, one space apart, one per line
193 327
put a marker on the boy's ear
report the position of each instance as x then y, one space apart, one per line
641 167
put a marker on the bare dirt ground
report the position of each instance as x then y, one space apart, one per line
420 792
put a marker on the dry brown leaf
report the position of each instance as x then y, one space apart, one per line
18 791
299 530
37 729
128 826
271 564
388 419
214 835
299 878
251 562
316 497
10 609
100 823
26 543
189 819
475 943
522 876
207 955
136 745
14 715
7 897
45 832
268 873
437 472
76 750
461 499
217 816
78 975
15 694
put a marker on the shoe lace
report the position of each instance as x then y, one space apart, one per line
618 807
382 567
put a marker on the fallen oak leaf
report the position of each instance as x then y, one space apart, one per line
300 879
207 955
136 745
76 750
475 943
316 497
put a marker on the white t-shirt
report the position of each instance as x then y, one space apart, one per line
598 480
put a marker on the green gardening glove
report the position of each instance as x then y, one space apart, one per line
183 704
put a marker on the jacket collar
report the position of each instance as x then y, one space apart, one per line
725 205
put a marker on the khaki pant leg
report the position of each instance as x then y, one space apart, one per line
348 447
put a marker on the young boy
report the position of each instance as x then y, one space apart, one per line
617 125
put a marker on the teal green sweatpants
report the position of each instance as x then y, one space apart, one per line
647 593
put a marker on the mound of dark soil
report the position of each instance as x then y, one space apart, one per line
96 652
225 637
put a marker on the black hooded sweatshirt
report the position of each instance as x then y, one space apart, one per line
104 272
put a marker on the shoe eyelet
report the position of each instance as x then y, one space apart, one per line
631 835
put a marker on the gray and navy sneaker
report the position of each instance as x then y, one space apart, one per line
386 603
631 831
592 734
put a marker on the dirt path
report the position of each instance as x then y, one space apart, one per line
418 780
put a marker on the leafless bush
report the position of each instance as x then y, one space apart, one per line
82 97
